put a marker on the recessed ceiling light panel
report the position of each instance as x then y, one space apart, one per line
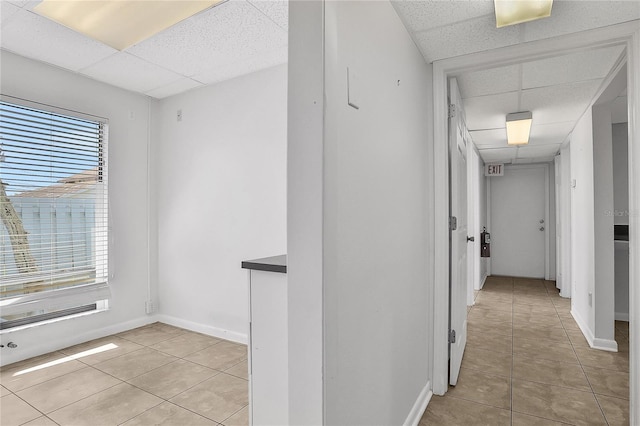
121 23
511 12
519 127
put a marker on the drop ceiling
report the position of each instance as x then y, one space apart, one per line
556 90
232 39
242 36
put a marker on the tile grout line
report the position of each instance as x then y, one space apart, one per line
558 313
30 405
191 387
121 381
582 368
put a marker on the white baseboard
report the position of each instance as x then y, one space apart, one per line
622 316
204 329
46 345
596 343
586 331
420 406
605 345
483 280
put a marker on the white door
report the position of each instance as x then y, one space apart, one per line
518 221
458 263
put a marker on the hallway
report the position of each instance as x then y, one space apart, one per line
527 363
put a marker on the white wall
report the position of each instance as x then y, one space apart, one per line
582 223
557 178
484 221
620 173
305 175
376 188
621 217
473 222
128 116
603 223
221 197
592 271
565 220
551 224
477 217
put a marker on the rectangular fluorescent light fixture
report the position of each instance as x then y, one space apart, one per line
121 23
518 128
511 12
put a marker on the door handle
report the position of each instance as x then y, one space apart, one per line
471 239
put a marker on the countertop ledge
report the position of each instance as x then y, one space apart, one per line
270 264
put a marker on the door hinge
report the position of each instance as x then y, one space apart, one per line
452 110
453 223
452 336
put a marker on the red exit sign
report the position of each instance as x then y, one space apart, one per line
494 169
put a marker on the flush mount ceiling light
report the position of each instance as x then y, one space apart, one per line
511 12
120 23
518 127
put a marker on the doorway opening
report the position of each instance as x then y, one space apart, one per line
618 35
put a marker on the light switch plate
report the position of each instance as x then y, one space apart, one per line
353 88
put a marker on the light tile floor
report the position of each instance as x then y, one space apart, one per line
527 363
157 374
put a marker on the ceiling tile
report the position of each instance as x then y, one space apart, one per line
427 14
7 10
533 160
496 155
572 16
466 37
537 151
38 38
491 81
489 138
489 112
226 34
276 10
588 65
544 134
19 3
245 66
132 73
555 104
30 4
174 88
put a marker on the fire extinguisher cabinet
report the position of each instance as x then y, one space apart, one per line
485 243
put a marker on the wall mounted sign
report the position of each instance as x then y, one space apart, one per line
494 169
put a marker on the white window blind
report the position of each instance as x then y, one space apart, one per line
53 201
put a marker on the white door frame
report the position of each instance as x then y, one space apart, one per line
626 34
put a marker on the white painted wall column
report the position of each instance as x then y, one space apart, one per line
565 219
604 278
557 170
305 174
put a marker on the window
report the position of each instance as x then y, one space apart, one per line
53 206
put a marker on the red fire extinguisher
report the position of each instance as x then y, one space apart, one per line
485 243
